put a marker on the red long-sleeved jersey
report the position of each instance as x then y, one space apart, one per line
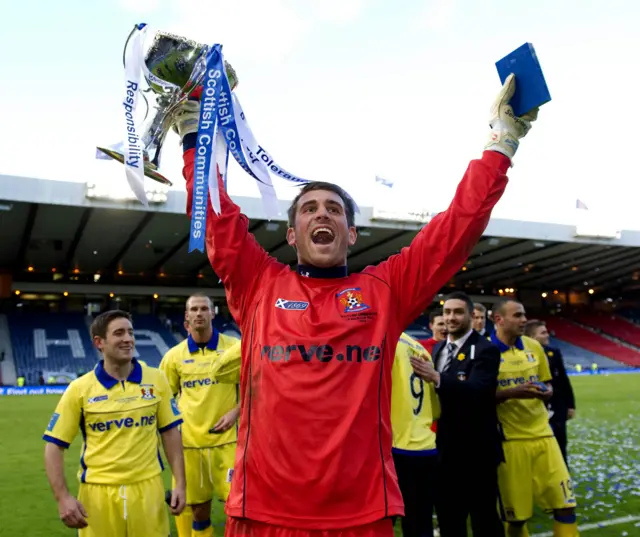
314 441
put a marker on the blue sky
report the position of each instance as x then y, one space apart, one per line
345 90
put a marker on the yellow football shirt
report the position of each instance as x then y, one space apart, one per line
119 422
414 403
525 362
203 400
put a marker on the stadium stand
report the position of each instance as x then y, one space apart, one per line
153 339
613 325
60 343
50 342
574 355
582 337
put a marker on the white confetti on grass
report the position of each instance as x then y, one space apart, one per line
604 465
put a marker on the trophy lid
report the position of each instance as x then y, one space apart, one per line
174 59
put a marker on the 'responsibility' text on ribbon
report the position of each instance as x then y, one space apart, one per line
133 151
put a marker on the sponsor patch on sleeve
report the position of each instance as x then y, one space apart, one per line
174 407
53 421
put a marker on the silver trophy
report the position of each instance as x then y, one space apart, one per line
175 67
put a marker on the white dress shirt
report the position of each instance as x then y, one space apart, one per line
444 352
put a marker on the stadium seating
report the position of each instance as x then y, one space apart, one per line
44 343
50 342
613 325
573 355
60 343
582 337
153 339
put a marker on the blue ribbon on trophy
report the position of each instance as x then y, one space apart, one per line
173 67
205 180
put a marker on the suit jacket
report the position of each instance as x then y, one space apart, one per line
562 399
469 420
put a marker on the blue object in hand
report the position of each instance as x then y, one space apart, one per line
542 386
531 87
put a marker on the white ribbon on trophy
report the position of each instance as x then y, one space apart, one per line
133 151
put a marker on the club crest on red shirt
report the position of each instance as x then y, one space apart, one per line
352 300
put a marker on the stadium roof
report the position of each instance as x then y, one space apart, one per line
53 227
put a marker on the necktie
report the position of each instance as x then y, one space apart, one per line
451 351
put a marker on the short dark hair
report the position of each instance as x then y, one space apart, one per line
349 205
498 307
532 326
459 295
433 315
101 323
479 307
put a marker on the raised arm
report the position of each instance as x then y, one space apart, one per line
441 248
444 244
235 255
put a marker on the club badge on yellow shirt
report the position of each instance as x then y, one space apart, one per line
147 392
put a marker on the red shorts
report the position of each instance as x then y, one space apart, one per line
242 527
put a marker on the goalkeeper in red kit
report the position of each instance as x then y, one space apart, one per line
314 441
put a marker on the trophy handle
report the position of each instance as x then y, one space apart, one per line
149 168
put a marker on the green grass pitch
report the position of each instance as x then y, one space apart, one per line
604 450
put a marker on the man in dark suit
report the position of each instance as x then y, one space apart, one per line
562 405
465 376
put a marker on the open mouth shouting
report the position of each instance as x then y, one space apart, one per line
322 235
